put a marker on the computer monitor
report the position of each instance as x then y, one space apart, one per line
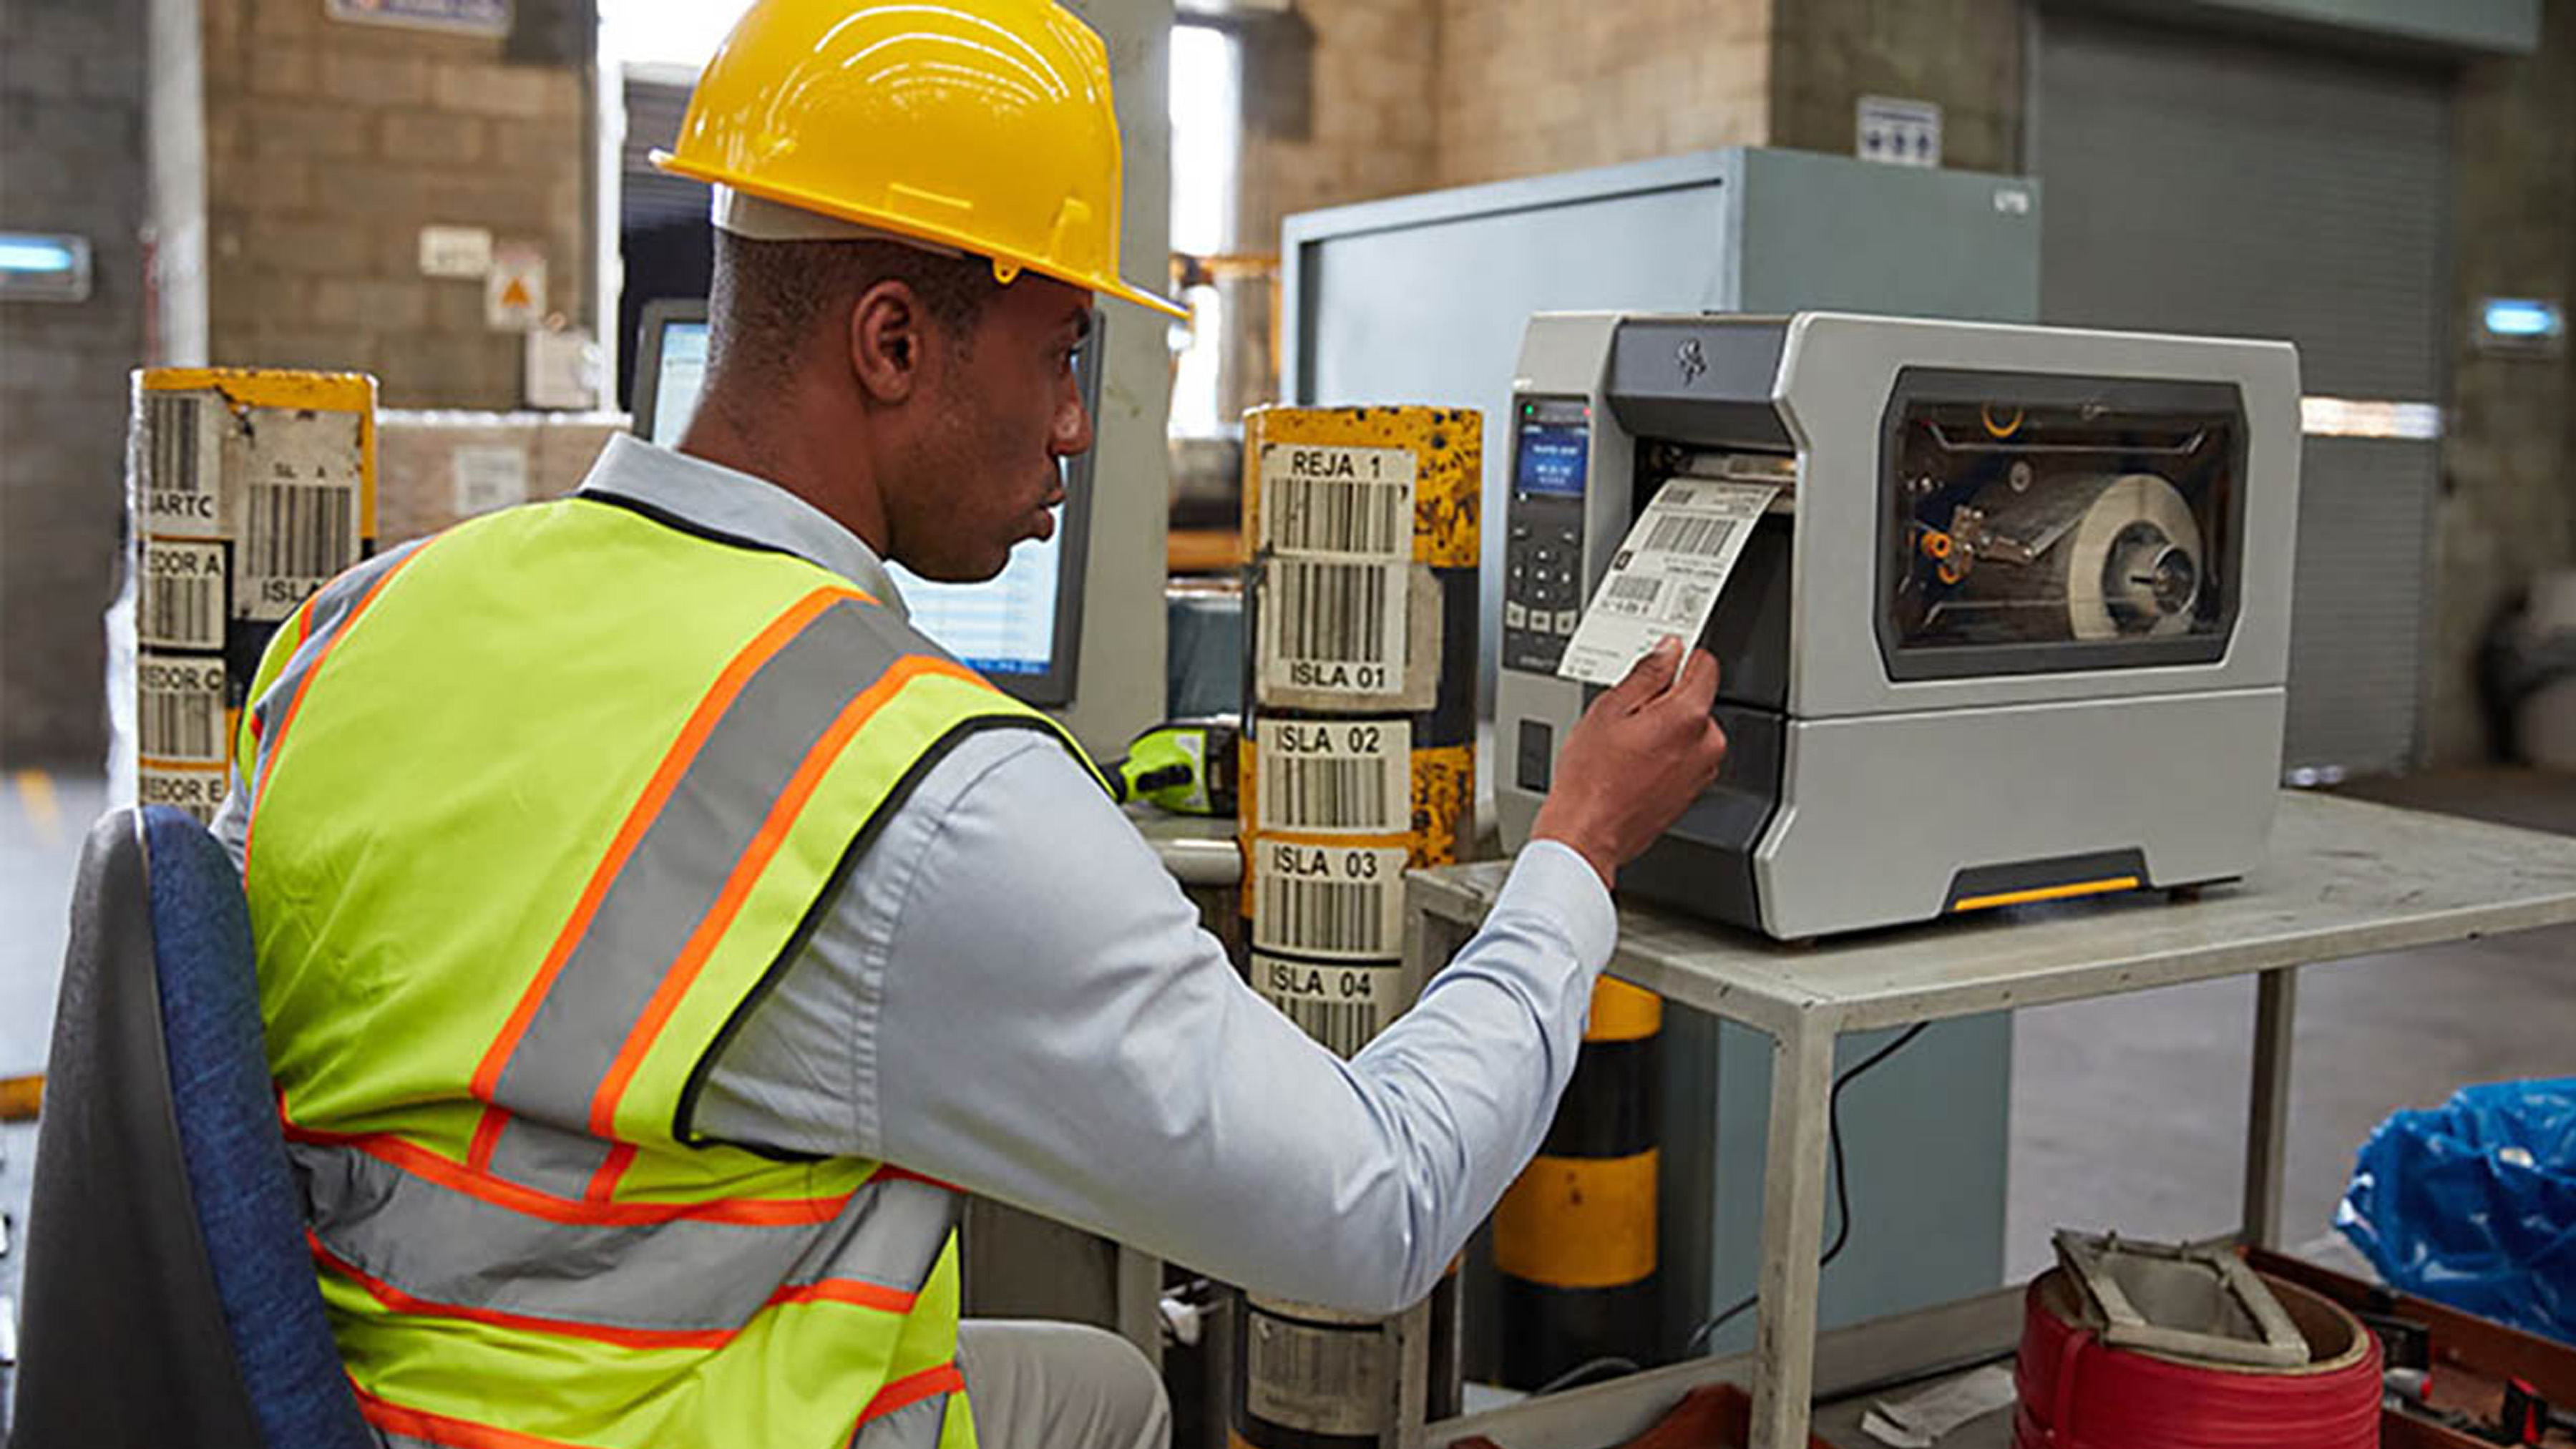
1022 629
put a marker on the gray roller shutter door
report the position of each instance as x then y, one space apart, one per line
649 197
2200 182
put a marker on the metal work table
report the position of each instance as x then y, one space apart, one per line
2343 879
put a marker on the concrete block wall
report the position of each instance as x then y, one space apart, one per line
1371 122
1963 55
2507 511
71 160
1537 86
329 145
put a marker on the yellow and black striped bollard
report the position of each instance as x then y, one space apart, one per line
1574 1237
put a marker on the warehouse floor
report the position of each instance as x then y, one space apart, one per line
2126 1112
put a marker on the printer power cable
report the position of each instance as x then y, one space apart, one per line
1842 1184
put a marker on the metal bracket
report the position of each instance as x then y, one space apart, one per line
2198 1302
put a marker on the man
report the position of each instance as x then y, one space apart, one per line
656 933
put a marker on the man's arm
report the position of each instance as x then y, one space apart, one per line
1011 994
1058 1032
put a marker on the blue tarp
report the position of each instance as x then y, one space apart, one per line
2473 1203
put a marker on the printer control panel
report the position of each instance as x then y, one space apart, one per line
1543 545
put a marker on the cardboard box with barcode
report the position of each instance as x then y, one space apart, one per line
247 490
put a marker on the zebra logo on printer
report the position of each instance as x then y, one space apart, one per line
1693 361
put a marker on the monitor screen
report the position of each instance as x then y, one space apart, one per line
1020 628
679 370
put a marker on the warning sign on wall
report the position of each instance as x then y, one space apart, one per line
514 292
467 17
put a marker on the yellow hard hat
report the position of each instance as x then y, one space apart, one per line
984 125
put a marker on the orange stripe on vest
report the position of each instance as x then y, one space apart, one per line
657 792
286 721
692 959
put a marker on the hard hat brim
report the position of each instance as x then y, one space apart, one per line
913 226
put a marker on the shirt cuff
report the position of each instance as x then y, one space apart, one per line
1554 880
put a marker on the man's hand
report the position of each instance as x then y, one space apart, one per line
1638 757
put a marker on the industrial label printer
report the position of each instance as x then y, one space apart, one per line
2015 628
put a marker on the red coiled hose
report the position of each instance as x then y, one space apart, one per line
2078 1393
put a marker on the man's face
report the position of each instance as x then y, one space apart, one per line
1001 410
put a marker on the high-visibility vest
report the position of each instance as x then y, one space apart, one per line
541 809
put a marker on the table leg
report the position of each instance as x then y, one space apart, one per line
1140 1302
2267 1128
1793 1232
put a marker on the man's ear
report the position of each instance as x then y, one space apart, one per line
890 341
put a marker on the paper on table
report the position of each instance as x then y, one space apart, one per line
1919 1420
1666 578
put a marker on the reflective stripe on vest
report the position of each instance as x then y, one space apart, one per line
539 809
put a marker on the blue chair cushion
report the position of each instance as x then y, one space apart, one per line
247 1206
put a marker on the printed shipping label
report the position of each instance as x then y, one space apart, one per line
183 605
1354 503
1342 1006
197 789
299 511
1337 627
182 463
1666 578
180 708
1335 777
1327 900
1322 1380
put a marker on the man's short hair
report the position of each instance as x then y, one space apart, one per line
770 295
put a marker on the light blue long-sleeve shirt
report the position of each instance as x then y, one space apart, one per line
1012 995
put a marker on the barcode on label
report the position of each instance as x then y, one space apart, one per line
1316 1379
301 532
183 613
196 790
1342 1026
1340 1004
181 604
1354 502
1335 612
1690 535
1317 515
1634 591
1346 918
171 422
1330 795
181 708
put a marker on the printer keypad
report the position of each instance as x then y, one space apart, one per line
1542 582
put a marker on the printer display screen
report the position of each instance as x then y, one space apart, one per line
2054 513
1554 456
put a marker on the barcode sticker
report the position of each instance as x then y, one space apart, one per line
181 708
1689 534
1337 502
1336 777
300 523
1665 580
182 604
1317 1378
1336 627
1342 1006
1332 901
182 461
1632 595
197 789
